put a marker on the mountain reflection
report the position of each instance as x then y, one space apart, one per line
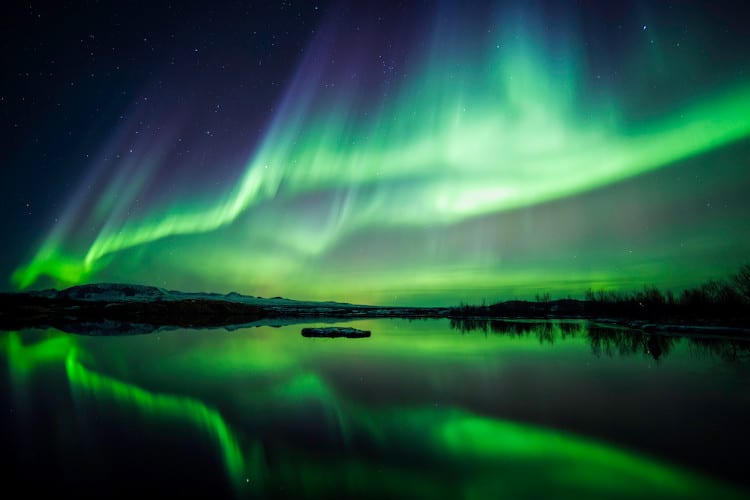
609 341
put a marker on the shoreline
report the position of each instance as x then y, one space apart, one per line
113 316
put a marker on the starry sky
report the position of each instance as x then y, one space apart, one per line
405 153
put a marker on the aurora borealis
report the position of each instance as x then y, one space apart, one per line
419 154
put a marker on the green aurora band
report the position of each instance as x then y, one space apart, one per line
464 137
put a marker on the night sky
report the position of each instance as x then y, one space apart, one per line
402 153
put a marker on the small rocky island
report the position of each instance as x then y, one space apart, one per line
332 332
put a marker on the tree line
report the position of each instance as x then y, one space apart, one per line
727 300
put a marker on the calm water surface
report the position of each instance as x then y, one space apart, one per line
420 409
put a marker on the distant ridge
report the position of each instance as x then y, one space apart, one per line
111 291
118 292
117 309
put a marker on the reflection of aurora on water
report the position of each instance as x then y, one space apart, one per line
163 406
359 444
476 129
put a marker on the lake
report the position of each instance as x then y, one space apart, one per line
422 408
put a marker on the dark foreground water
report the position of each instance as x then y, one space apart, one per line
420 409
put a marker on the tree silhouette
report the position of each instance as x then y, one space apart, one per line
742 283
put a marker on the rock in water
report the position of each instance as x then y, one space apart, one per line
333 332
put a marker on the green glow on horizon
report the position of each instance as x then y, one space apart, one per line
465 136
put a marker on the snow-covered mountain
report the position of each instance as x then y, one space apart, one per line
119 292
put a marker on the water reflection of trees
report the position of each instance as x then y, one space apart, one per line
606 340
546 332
611 341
